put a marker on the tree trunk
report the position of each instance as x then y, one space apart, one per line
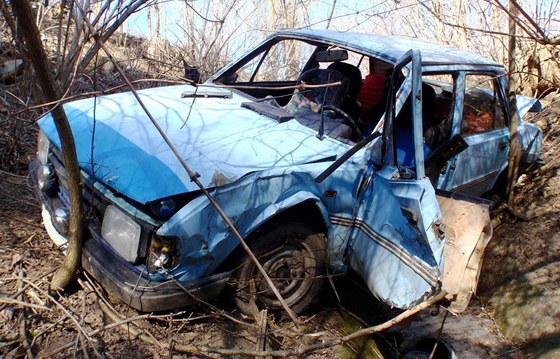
66 273
514 151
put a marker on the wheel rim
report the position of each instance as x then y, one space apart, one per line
291 270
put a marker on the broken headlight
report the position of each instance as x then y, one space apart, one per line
43 145
121 232
162 253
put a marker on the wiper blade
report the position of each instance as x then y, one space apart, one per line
326 173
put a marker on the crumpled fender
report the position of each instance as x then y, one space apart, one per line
204 239
277 207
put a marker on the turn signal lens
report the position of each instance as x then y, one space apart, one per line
162 253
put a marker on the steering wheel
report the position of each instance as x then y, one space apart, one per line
347 119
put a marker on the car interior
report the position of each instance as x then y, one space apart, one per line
325 89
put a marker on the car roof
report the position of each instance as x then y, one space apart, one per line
391 48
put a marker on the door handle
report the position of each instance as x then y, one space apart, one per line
503 146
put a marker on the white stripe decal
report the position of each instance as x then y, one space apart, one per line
427 273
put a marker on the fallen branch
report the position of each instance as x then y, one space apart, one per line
24 337
297 352
23 303
192 175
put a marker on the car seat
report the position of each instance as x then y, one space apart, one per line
314 98
404 129
350 104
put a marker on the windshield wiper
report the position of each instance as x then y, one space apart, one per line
326 173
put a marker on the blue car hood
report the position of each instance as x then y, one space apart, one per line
219 140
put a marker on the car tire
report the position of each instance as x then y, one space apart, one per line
293 255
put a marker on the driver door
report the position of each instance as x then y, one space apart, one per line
396 244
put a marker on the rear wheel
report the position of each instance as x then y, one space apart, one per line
293 255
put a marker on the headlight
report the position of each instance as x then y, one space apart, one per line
43 148
60 220
45 177
122 233
162 253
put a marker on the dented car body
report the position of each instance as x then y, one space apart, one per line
312 179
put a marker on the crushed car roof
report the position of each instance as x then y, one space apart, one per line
391 48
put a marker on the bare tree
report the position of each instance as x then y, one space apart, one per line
65 274
514 150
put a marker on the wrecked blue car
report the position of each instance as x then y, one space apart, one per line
328 151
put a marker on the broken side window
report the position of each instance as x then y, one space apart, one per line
284 61
483 108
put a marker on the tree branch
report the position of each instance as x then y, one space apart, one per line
66 273
192 175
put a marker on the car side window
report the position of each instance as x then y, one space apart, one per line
483 107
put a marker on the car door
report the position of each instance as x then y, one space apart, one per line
395 242
483 125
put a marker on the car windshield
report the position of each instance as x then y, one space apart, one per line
335 91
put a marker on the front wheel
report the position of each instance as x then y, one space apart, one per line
293 255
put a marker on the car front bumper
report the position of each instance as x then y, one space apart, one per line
134 287
130 283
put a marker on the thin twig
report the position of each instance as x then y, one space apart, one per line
92 93
216 309
23 317
37 335
192 175
439 335
25 287
23 303
95 332
62 307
